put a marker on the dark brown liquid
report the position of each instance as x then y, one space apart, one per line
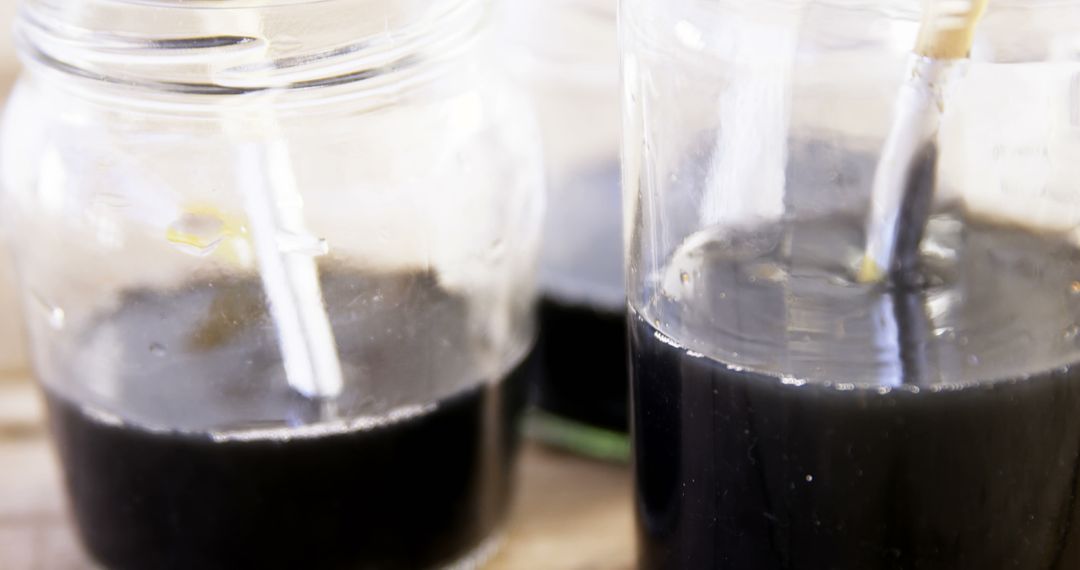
585 365
187 468
786 418
582 320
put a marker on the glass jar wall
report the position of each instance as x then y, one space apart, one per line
789 411
277 261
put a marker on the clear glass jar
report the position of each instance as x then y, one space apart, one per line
574 82
787 413
183 178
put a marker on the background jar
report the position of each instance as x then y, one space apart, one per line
13 361
574 84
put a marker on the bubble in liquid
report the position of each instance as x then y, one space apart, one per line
197 234
1074 288
1072 332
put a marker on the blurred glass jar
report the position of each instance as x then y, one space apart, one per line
575 85
13 362
169 164
12 348
788 414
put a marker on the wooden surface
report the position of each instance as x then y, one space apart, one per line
571 513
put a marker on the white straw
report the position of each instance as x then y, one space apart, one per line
945 38
915 124
284 248
286 253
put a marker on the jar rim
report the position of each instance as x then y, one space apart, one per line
205 47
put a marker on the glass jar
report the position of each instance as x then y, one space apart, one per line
789 412
277 261
12 350
582 393
12 347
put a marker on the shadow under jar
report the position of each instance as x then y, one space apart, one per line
277 262
786 414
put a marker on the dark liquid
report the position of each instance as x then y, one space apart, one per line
585 365
803 440
422 486
584 343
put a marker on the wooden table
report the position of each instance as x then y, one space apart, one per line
571 513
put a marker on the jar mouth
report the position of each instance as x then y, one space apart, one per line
229 47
